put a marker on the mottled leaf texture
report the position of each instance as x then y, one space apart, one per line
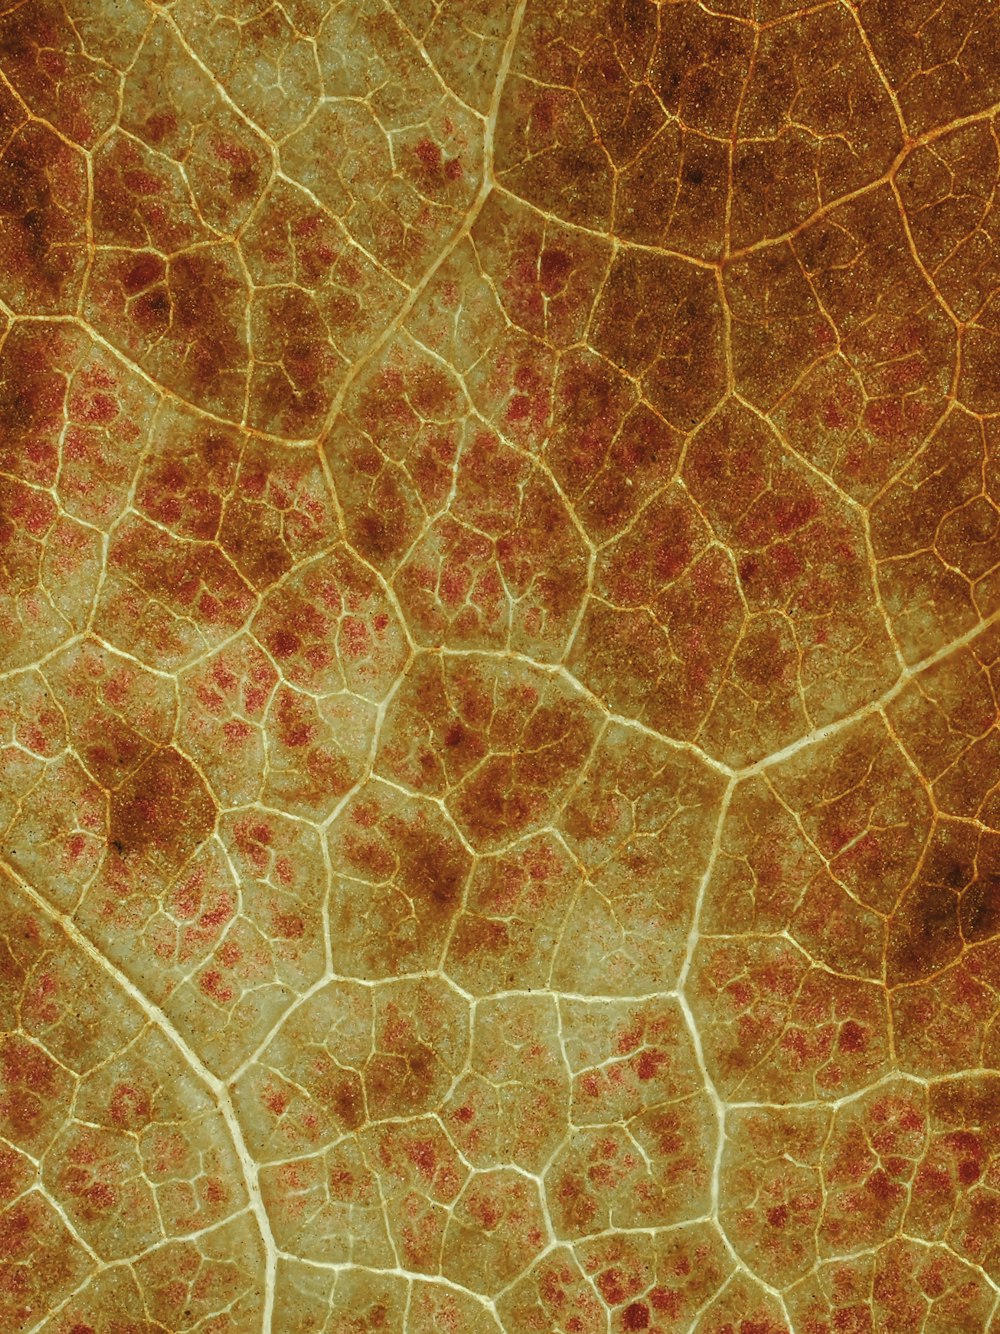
499 667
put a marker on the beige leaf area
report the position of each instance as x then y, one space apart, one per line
499 667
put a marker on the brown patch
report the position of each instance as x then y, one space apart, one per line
162 811
42 203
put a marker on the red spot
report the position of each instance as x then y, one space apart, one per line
464 1114
636 1316
99 409
853 1038
880 1186
275 1101
284 643
308 225
885 417
838 835
486 1212
129 1105
296 734
143 183
932 1181
222 676
778 1216
365 814
36 511
248 834
788 562
355 636
649 1063
219 914
454 584
423 1157
235 154
210 700
255 697
102 1196
341 1182
834 415
611 1286
288 926
794 1040
852 1320
187 899
554 268
212 985
209 606
969 1171
747 568
790 516
667 1301
75 847
147 270
429 154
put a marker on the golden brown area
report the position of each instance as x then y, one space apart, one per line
499 667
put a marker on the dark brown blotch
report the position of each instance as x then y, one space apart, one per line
924 934
162 811
42 205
